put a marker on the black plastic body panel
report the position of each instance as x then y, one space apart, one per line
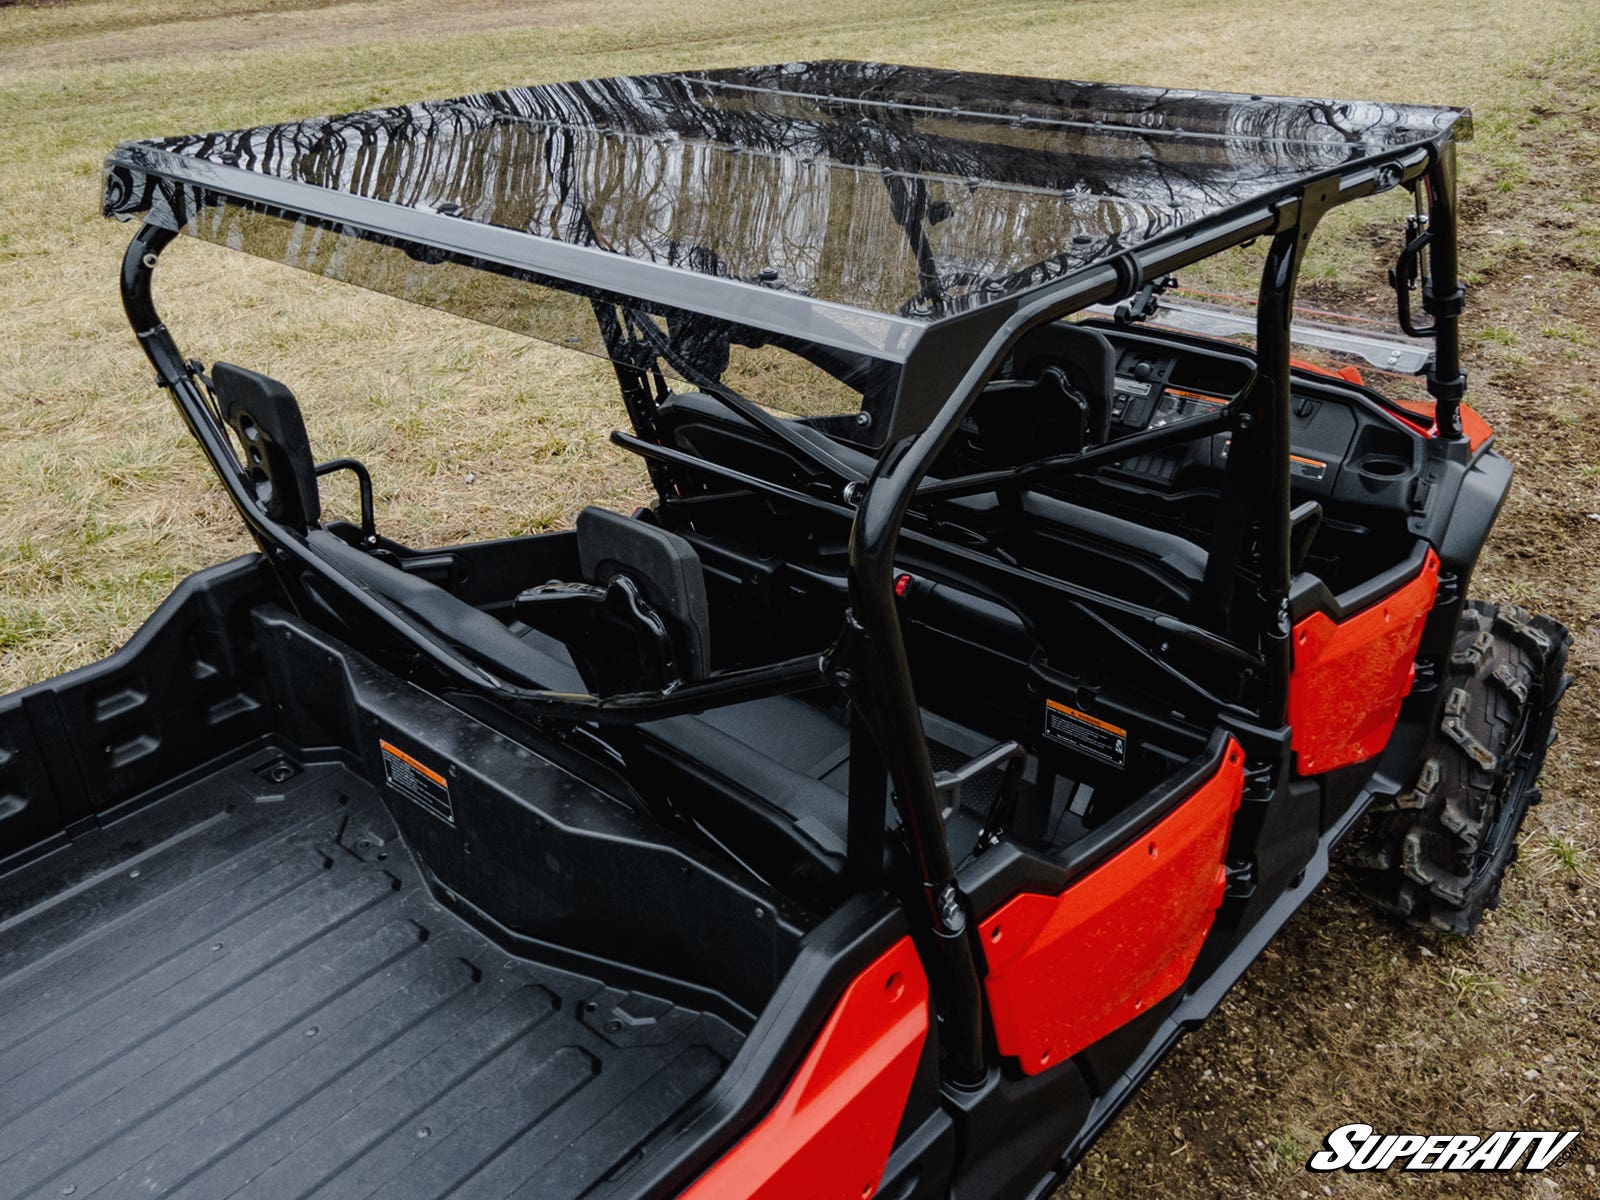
186 689
539 850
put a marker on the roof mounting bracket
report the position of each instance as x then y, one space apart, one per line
1146 303
1130 275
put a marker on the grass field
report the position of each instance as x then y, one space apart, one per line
474 432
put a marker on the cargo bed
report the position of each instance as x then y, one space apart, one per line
246 989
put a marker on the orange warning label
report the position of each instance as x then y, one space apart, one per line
1086 734
1307 468
417 782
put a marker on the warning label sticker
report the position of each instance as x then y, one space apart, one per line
417 782
1085 734
1307 468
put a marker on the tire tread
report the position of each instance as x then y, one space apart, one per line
1418 858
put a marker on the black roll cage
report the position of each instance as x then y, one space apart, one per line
941 380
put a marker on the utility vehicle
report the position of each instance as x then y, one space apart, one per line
1003 655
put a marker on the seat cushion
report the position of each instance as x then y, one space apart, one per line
766 778
528 663
788 823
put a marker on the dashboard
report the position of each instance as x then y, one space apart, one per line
1342 448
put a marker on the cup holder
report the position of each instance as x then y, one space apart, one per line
1382 466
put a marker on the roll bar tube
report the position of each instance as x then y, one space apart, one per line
881 679
1270 439
887 702
1443 296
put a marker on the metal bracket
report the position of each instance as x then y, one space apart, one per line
369 531
1146 303
1404 274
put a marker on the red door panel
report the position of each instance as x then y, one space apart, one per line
1066 970
830 1133
1350 677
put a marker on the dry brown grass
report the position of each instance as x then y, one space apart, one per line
104 505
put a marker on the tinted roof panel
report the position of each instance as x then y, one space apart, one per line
907 192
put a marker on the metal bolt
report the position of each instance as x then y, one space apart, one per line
149 260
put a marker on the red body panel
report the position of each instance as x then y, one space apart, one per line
1066 970
1349 374
830 1133
1349 678
1477 430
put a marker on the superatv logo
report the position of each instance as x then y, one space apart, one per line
1361 1148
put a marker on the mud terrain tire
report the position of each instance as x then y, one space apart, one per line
1437 853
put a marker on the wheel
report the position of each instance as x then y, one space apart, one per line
1436 855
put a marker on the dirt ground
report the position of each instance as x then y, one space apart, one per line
103 505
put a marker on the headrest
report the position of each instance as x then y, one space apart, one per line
265 416
666 569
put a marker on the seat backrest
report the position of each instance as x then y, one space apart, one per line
665 568
695 421
703 425
1085 355
265 417
1068 407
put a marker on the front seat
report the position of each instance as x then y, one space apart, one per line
701 425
